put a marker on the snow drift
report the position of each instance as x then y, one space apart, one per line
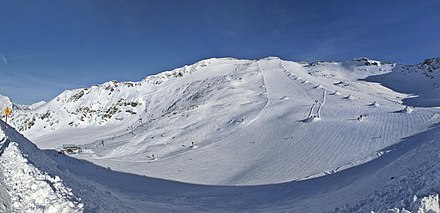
38 181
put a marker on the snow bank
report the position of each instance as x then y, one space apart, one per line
33 190
410 182
428 204
34 180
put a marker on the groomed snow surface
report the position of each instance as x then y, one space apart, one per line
228 135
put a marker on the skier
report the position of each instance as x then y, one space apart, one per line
361 117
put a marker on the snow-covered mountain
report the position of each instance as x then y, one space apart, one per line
420 80
29 107
5 102
240 123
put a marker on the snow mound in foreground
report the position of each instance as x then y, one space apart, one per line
32 189
34 180
428 204
406 179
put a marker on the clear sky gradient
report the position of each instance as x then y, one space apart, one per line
49 46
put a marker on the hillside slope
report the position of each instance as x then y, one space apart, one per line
404 179
244 135
420 80
235 122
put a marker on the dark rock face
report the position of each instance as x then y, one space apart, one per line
430 65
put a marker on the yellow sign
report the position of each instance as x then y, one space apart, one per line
7 111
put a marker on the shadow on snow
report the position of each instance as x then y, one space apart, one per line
171 195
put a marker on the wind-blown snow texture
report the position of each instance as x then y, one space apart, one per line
260 135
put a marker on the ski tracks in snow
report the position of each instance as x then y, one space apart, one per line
265 92
315 110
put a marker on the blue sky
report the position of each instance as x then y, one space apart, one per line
49 46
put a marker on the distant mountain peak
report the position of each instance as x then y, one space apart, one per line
271 58
430 64
363 61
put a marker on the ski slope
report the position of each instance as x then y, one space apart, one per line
255 118
404 179
252 135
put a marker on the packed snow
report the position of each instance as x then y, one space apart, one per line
236 135
34 191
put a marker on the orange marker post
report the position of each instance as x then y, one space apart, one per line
7 113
